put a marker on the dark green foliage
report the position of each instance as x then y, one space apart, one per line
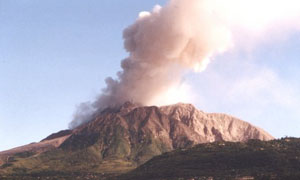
279 159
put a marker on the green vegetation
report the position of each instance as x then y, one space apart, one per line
278 159
64 164
108 155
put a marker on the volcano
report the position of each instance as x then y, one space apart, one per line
122 138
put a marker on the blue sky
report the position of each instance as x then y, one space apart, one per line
55 54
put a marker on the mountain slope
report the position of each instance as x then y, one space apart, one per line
120 139
45 145
277 159
124 130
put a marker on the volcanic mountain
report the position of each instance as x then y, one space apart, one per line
120 139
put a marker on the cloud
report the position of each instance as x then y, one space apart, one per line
264 87
187 34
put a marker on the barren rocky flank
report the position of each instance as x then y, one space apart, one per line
128 130
120 139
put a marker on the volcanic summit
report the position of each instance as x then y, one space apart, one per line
126 137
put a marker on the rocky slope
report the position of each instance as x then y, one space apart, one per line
33 148
119 139
139 133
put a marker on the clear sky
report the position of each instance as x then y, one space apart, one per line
55 54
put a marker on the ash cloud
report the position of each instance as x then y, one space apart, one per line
163 43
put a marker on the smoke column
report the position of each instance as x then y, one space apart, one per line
185 34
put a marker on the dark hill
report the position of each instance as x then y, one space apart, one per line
277 159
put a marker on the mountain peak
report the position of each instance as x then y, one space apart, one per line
135 134
125 107
162 128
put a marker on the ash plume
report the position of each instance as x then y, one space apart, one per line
162 44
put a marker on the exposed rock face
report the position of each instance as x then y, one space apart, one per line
140 133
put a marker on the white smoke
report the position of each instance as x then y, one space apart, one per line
185 34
